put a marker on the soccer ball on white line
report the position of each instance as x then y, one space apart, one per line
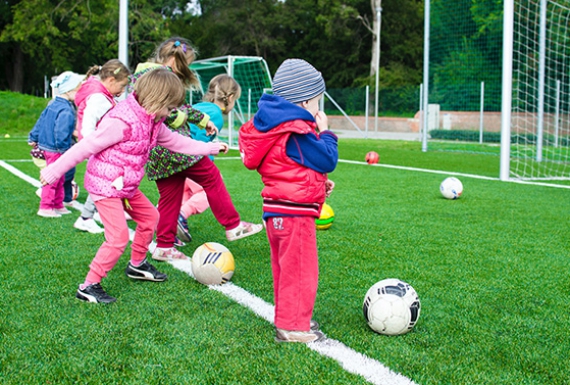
451 188
391 307
213 264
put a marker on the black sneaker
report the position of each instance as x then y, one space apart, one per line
145 272
94 293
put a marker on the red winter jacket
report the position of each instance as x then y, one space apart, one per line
290 188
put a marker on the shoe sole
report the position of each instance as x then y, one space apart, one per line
89 298
143 275
182 234
302 342
78 227
244 235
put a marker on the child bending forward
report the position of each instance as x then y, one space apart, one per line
117 152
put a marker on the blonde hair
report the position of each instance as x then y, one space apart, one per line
113 68
158 89
183 54
221 89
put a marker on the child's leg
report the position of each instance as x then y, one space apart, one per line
67 187
88 208
295 270
207 175
52 195
145 215
171 190
116 239
195 200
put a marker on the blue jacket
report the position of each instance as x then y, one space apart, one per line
53 131
216 117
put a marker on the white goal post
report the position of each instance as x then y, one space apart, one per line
535 124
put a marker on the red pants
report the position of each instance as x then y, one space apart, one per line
295 267
112 212
171 191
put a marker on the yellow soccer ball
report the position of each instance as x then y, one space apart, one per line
326 219
213 264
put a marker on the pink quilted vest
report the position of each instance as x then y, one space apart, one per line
125 160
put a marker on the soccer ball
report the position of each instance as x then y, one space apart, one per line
372 157
451 188
391 307
74 190
213 264
326 219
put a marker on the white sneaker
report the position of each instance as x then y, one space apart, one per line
162 254
62 211
244 229
88 225
74 205
97 217
48 213
282 335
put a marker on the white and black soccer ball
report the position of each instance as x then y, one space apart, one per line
391 307
451 188
213 264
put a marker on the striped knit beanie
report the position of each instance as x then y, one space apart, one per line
297 81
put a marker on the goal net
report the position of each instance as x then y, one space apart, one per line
540 120
252 74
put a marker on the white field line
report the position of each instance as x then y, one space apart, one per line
350 360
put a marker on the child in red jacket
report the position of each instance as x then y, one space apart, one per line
289 144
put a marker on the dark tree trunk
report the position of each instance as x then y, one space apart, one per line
15 70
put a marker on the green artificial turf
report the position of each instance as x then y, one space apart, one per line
491 270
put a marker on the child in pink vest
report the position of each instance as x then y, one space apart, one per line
117 152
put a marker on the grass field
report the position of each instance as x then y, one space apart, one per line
491 270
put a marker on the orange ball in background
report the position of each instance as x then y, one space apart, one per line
372 157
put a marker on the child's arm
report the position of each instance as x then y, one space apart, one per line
96 106
317 153
63 129
184 145
109 133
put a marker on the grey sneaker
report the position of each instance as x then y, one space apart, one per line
94 293
282 335
315 325
145 272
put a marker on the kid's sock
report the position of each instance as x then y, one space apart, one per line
85 284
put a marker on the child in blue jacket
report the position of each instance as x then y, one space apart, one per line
53 133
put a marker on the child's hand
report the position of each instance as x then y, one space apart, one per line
33 144
43 181
329 187
211 129
322 121
224 147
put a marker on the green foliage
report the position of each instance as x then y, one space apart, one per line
465 50
20 112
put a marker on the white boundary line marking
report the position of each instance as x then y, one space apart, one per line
350 360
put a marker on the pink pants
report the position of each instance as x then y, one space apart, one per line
52 194
194 200
112 214
171 190
295 267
